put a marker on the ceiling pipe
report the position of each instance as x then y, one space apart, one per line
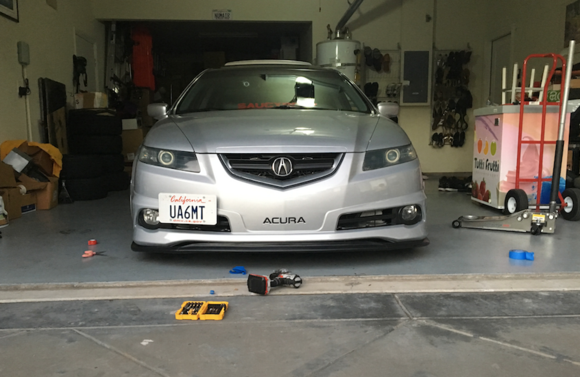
347 15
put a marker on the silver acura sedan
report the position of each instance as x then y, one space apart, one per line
276 156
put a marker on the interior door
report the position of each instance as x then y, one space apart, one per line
86 49
500 57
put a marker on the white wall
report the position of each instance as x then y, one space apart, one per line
50 35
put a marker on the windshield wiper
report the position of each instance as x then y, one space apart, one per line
207 109
290 107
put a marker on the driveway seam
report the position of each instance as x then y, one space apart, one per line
312 372
218 323
317 320
500 343
119 352
491 317
403 308
18 332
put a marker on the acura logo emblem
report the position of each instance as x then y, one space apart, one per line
282 167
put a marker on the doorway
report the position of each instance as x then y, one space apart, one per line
501 49
183 49
86 47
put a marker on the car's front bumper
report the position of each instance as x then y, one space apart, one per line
360 245
246 205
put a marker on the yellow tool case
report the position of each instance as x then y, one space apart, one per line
202 310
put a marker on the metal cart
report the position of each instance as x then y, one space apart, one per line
517 201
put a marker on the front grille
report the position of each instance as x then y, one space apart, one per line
222 225
261 168
369 219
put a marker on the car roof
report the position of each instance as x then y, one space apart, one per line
267 62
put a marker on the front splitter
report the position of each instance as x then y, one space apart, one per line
363 245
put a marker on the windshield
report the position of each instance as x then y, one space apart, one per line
271 88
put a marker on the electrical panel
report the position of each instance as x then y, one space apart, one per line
416 83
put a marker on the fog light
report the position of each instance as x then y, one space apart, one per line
410 215
151 216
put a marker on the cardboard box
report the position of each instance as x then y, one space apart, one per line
41 159
37 195
18 160
132 140
28 202
96 100
45 193
12 202
7 178
130 124
142 97
47 198
30 184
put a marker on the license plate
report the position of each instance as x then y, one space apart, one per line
187 209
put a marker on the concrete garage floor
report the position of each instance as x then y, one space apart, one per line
54 320
46 247
415 335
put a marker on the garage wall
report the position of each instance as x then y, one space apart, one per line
384 24
457 25
50 34
539 25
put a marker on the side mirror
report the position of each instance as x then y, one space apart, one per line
157 110
388 109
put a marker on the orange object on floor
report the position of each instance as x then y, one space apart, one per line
90 253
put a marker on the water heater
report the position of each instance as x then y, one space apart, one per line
341 54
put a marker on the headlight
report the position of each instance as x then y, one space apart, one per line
169 159
381 158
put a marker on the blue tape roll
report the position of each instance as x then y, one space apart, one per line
521 255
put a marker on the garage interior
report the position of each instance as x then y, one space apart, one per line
458 306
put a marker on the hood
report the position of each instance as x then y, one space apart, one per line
277 131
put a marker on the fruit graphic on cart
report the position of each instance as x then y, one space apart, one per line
474 189
479 146
493 148
486 196
482 188
486 149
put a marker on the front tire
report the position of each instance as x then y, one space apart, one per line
571 197
516 200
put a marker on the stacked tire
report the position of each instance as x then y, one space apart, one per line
94 165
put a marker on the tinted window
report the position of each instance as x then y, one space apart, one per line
271 87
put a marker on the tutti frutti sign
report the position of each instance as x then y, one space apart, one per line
486 161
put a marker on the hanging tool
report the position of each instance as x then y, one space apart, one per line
262 284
